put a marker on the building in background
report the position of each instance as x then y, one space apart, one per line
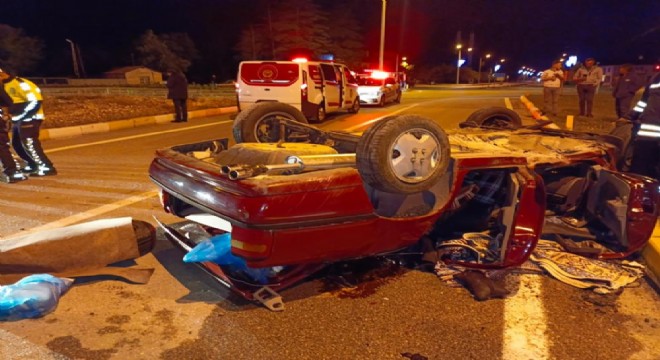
135 75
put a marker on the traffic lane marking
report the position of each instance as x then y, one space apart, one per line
85 215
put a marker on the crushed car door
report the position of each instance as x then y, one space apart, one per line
626 204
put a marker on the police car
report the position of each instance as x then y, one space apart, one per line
378 88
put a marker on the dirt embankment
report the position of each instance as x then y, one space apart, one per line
72 110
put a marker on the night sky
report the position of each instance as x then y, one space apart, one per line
525 32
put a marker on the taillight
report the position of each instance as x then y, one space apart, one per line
164 198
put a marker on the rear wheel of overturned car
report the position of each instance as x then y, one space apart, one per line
403 154
495 117
259 123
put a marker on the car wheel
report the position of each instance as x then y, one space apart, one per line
381 102
356 106
320 114
495 117
258 123
403 154
398 98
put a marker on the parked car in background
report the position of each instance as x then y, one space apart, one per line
378 88
314 88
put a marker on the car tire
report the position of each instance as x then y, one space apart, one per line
355 107
398 98
495 117
387 154
255 124
320 114
381 102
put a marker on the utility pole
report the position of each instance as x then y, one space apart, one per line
382 36
74 56
458 63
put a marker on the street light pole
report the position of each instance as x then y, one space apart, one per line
481 60
458 63
382 36
74 57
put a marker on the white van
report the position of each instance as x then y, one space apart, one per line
314 88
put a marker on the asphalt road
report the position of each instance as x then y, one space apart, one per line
182 314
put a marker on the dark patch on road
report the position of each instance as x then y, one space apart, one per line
581 322
361 279
71 347
118 319
165 318
110 330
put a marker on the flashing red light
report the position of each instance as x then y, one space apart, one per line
380 75
300 60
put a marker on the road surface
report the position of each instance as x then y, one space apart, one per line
182 314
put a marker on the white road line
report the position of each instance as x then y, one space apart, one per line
525 322
507 103
354 127
135 136
74 219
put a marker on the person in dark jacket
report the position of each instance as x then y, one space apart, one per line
624 89
177 90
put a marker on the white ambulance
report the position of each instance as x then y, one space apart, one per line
315 88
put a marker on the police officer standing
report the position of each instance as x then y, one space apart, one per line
645 116
10 173
27 116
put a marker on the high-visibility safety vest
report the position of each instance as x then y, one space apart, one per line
25 91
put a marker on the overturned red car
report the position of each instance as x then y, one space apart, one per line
300 198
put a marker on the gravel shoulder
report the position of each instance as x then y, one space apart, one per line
71 110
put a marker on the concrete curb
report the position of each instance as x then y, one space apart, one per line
72 131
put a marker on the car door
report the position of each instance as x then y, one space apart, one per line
350 88
626 204
332 87
390 90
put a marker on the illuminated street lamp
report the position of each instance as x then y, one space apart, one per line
481 61
458 62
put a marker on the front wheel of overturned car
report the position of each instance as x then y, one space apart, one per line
403 154
495 117
259 123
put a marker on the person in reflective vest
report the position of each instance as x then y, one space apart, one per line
27 115
10 173
645 117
